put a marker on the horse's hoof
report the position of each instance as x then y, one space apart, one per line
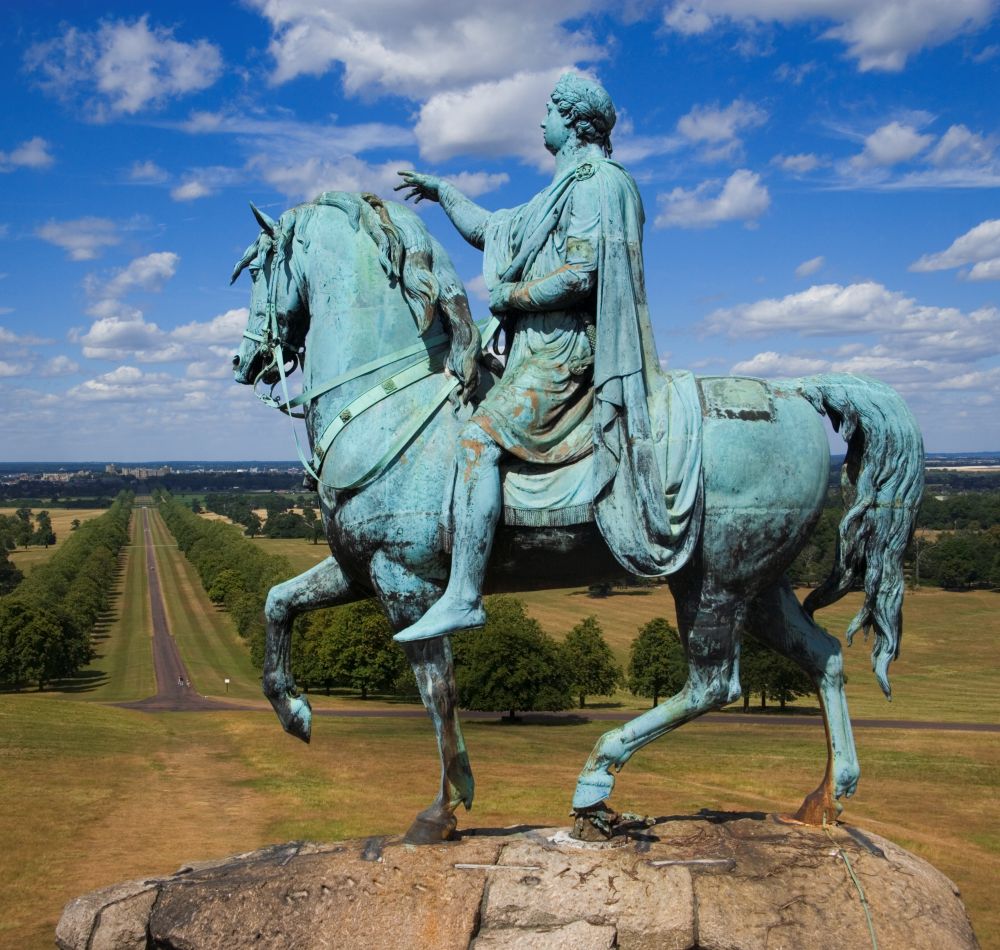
295 715
431 827
592 788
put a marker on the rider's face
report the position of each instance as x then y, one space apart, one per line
556 129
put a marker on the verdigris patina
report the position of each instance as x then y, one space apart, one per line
602 458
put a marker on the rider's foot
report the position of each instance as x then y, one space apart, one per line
446 616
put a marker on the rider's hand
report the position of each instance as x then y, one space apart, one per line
500 297
423 186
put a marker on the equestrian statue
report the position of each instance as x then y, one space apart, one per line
443 473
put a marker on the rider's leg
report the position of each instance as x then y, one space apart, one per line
476 510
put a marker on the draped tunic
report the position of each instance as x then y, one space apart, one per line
582 367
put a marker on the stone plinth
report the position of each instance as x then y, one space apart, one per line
711 881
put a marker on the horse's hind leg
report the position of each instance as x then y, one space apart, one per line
710 625
406 598
324 585
777 619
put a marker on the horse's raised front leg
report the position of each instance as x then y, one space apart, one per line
710 629
777 619
324 585
405 598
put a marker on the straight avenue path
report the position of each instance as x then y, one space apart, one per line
173 692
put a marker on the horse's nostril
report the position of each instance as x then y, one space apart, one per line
236 361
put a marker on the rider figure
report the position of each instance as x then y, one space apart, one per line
565 273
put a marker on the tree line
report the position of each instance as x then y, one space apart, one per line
234 571
280 522
957 544
512 665
47 619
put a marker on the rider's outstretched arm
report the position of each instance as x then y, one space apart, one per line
572 282
469 219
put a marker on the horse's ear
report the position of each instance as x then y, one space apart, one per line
248 256
267 224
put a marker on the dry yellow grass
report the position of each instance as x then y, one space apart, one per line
62 520
95 795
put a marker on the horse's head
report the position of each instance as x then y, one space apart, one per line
272 332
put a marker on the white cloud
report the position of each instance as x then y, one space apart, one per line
124 67
8 369
905 328
777 364
489 119
34 153
717 129
960 146
190 191
425 47
147 171
59 366
9 338
149 272
979 246
225 328
478 183
124 383
810 266
127 335
476 287
741 198
891 144
879 35
83 238
800 164
305 178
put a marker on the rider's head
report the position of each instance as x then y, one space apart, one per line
587 107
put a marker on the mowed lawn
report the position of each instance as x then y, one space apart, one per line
211 648
94 794
62 520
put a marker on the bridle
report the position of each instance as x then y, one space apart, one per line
272 349
275 351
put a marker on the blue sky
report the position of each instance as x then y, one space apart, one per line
821 183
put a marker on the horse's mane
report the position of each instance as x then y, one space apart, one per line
412 258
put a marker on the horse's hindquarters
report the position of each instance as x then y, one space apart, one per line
765 483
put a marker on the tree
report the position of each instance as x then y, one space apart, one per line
22 528
590 661
10 576
74 524
354 647
43 535
769 674
657 665
286 524
510 664
252 523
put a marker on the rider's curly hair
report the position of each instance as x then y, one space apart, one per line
588 107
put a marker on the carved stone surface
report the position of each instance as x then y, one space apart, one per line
712 881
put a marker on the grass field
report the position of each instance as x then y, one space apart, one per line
62 519
95 795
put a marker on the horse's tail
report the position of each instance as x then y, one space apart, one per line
883 483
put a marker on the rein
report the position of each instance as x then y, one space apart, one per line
271 344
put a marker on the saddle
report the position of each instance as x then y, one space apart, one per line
544 496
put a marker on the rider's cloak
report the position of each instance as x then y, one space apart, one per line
647 535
